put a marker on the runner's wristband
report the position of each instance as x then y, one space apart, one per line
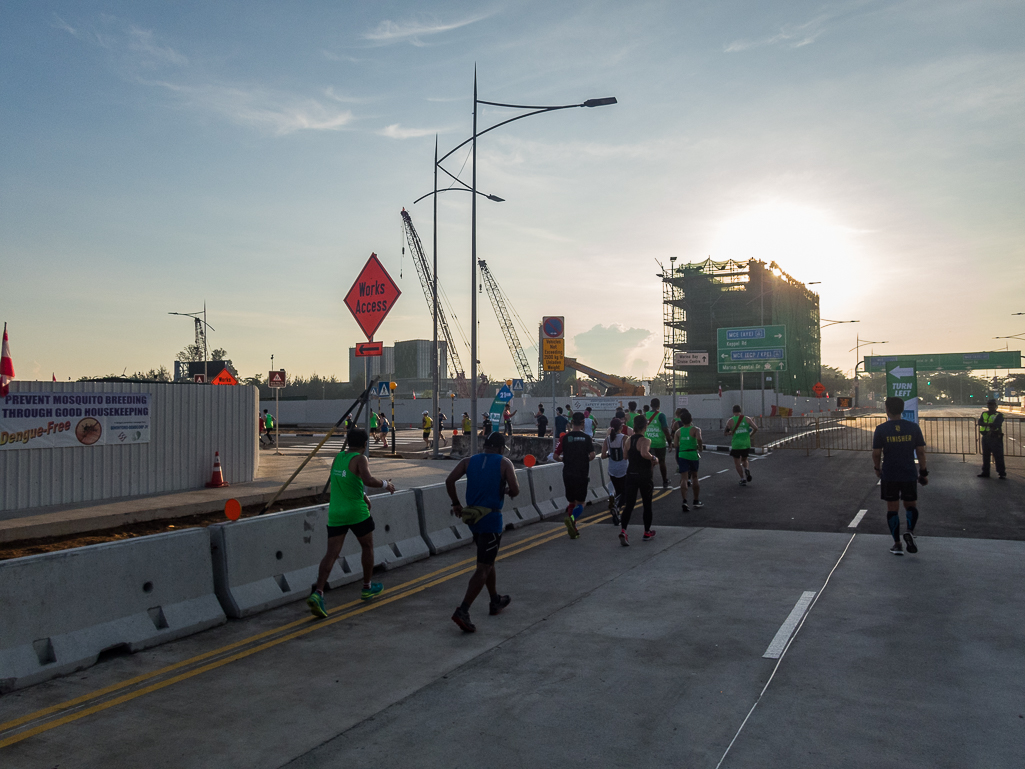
923 473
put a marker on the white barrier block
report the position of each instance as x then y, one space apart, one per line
520 510
397 537
440 529
548 490
595 486
270 560
59 611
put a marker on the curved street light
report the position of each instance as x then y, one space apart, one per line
858 345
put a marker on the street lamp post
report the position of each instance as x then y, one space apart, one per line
857 346
533 110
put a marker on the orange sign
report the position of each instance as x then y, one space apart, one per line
818 389
372 296
232 510
224 378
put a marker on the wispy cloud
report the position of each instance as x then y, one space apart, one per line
413 31
139 56
790 36
396 131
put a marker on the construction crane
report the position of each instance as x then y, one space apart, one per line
423 269
201 326
498 301
617 384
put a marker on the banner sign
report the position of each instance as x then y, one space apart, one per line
48 420
953 361
498 406
902 382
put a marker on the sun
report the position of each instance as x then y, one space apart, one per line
809 243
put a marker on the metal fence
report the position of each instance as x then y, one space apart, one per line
943 435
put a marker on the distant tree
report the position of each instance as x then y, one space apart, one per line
835 381
219 354
193 353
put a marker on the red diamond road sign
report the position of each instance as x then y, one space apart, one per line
372 296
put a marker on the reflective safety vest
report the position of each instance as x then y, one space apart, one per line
987 420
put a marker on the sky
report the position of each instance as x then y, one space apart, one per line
252 156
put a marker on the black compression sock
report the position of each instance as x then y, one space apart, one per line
912 515
893 521
464 606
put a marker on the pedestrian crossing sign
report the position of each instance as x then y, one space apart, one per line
381 390
517 384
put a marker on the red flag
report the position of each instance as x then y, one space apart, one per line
54 377
6 366
720 391
414 395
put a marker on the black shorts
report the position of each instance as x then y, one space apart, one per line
360 529
487 547
892 491
659 454
740 453
576 487
427 434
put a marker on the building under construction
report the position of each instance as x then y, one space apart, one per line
700 298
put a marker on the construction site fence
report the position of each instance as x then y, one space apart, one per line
943 435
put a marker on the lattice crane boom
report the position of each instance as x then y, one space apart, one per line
423 269
505 321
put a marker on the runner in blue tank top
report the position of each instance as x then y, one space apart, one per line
489 476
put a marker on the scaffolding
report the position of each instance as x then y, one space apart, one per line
702 297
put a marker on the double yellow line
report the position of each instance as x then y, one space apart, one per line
22 728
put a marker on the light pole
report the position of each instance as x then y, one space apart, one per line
857 346
533 110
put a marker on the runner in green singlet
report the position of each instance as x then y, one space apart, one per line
741 428
373 427
658 433
688 443
349 509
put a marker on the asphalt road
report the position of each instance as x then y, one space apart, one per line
761 631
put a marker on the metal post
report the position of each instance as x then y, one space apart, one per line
277 423
435 367
857 352
392 418
761 319
206 373
366 384
742 391
473 279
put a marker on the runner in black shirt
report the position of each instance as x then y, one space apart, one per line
575 451
897 442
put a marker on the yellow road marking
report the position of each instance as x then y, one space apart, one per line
402 591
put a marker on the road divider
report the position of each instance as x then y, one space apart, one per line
548 490
440 529
520 511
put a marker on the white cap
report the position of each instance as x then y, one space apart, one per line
425 412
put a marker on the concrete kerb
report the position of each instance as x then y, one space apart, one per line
62 610
270 560
439 528
547 489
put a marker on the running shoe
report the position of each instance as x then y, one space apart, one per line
624 540
982 475
462 618
684 508
496 606
698 504
648 536
747 474
665 485
897 549
909 540
375 589
615 518
743 483
571 526
316 604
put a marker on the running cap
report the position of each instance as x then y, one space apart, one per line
495 441
425 412
616 423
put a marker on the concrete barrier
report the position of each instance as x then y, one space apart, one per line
520 511
596 491
270 560
519 446
439 528
548 490
60 611
460 446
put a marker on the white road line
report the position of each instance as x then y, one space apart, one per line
705 478
779 642
857 519
724 471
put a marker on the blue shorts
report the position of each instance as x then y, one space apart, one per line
687 465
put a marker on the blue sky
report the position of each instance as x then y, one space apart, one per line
252 155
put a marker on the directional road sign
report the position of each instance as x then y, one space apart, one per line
681 359
902 382
553 326
372 296
751 348
276 378
369 349
553 354
953 361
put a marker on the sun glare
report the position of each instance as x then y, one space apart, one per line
808 243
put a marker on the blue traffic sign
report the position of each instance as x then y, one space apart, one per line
517 384
553 326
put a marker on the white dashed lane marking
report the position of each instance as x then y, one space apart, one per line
857 519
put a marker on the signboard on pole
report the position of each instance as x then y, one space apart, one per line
553 354
276 379
517 384
553 327
681 359
902 382
372 296
953 361
844 402
369 349
819 389
751 348
381 390
498 405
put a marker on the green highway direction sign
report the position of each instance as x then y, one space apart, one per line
751 349
953 361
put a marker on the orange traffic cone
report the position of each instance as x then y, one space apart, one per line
217 479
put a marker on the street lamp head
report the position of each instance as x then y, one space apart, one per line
601 102
496 198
